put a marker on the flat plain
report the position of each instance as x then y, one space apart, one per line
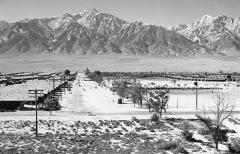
57 62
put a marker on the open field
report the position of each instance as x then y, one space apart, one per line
56 62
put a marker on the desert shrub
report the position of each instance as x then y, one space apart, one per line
128 123
152 130
141 128
168 145
135 119
107 130
234 147
223 135
203 131
180 149
154 118
181 124
131 135
186 126
188 136
144 122
137 129
145 137
119 132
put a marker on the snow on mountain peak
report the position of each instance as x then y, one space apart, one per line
205 19
88 12
216 33
223 19
58 21
25 20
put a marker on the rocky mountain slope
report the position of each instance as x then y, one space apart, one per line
93 32
219 33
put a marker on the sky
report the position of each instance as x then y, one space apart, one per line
158 12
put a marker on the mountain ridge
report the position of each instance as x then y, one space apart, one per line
217 33
94 32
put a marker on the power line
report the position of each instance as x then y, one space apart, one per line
52 95
36 92
196 84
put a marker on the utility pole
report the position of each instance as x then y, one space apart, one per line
53 79
36 92
177 103
54 85
196 84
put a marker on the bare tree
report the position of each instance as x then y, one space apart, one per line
222 111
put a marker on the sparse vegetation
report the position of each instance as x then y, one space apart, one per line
154 117
234 146
103 136
215 125
168 145
187 135
180 149
204 131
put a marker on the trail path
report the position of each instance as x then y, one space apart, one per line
88 96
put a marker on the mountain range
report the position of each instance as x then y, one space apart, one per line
219 34
94 32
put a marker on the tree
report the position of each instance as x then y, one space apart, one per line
67 72
97 72
229 77
133 96
222 111
51 104
95 77
87 71
174 81
158 102
137 92
147 100
120 87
